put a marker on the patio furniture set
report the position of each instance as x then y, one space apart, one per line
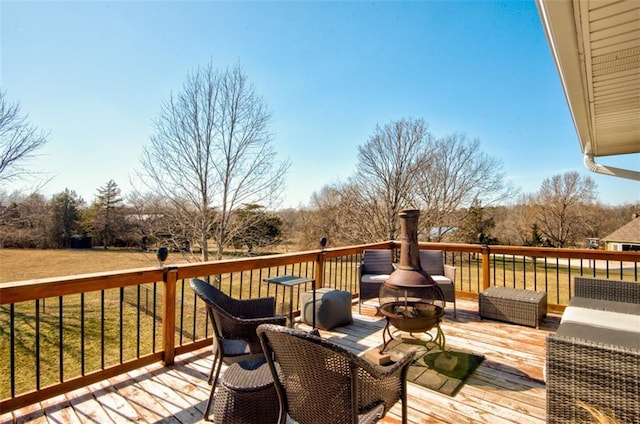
277 373
297 375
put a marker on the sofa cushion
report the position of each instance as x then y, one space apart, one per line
602 319
605 305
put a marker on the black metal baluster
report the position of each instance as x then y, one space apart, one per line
121 324
181 311
153 343
82 335
61 340
12 338
195 315
102 329
37 347
557 280
138 323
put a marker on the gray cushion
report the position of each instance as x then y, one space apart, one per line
600 318
432 261
374 278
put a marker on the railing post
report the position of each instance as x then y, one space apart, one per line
319 277
486 268
169 315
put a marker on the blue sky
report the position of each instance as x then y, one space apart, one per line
94 75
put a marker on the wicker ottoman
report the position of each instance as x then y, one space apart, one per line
246 395
525 307
332 308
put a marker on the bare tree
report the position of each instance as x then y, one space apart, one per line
384 180
516 224
18 140
211 153
455 174
560 207
24 223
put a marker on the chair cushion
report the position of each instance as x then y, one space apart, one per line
374 278
441 279
432 262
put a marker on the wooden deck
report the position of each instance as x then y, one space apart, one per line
508 386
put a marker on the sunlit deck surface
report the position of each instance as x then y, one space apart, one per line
507 387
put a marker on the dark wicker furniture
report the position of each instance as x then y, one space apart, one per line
518 306
594 358
246 395
374 270
432 261
320 382
234 324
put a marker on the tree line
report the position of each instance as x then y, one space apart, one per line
209 179
67 221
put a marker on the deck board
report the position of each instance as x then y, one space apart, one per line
507 387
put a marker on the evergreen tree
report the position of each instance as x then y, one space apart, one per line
64 210
109 205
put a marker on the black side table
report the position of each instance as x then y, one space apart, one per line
291 281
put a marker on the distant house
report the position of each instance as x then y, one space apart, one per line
625 238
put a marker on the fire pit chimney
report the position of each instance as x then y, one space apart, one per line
409 273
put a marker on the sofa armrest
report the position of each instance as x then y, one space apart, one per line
607 289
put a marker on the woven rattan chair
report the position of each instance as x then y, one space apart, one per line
320 382
234 324
376 266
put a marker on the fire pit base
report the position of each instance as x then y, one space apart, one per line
446 362
413 317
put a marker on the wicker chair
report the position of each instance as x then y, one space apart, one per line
319 382
234 324
594 363
432 261
374 270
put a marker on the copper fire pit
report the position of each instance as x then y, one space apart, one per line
410 299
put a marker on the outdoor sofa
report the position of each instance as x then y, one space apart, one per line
593 360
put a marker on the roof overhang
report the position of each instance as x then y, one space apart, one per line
596 48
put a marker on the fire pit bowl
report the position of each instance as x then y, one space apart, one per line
423 316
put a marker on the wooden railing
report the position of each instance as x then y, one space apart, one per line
60 334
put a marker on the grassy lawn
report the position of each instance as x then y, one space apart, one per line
26 264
